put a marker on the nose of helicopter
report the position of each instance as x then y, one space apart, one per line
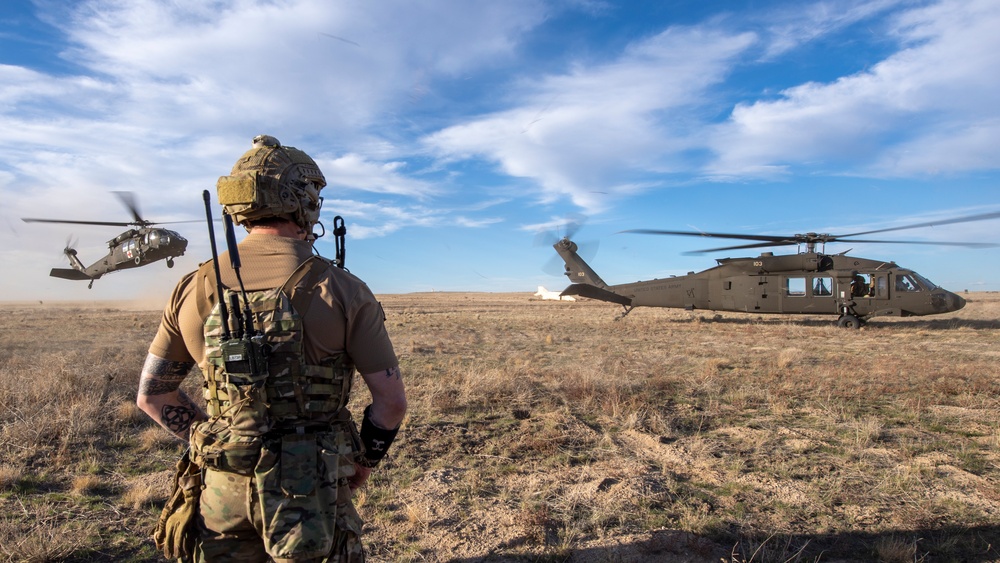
946 302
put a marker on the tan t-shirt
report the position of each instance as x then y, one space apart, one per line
343 316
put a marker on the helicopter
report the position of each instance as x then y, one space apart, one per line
808 282
140 245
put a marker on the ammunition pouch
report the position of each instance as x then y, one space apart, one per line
175 534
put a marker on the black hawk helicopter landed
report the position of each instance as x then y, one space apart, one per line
810 282
140 245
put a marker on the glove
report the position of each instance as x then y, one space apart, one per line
174 534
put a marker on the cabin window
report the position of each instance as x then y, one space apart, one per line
862 286
905 283
822 286
795 287
881 286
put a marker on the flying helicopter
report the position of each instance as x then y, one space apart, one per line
141 244
808 282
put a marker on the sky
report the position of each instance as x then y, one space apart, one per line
460 138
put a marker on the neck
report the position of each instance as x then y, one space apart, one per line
285 229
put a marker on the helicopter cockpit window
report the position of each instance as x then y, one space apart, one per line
931 286
906 283
822 286
796 287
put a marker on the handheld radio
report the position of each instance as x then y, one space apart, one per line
244 351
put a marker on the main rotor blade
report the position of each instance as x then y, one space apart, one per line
926 242
67 222
784 242
128 198
773 238
965 219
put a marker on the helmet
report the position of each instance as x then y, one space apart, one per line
270 180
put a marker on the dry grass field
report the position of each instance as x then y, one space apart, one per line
545 431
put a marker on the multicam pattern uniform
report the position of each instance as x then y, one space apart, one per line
278 448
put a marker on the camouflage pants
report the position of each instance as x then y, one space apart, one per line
232 528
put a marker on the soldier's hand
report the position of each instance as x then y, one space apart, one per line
359 478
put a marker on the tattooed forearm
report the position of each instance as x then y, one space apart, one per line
178 418
161 376
162 399
393 373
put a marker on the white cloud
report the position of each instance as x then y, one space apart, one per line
377 219
928 108
582 131
475 223
354 171
216 64
788 29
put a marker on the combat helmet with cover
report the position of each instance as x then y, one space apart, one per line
271 180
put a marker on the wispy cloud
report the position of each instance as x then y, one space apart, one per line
584 131
789 28
354 171
929 108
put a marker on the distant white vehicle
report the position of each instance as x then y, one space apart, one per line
547 295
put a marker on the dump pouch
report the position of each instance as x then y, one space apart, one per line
304 496
175 534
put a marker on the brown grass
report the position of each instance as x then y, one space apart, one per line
547 431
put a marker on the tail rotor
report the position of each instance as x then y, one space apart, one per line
70 248
562 232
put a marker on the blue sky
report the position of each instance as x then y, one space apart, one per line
452 132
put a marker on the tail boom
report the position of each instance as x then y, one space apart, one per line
594 292
586 282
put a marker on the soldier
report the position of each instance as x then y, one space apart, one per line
272 465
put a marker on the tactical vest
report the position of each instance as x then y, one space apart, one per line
293 395
289 429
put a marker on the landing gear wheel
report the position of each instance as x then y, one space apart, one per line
849 321
170 262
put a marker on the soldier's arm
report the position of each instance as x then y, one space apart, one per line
388 397
162 399
386 411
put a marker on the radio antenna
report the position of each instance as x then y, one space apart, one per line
226 335
234 258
